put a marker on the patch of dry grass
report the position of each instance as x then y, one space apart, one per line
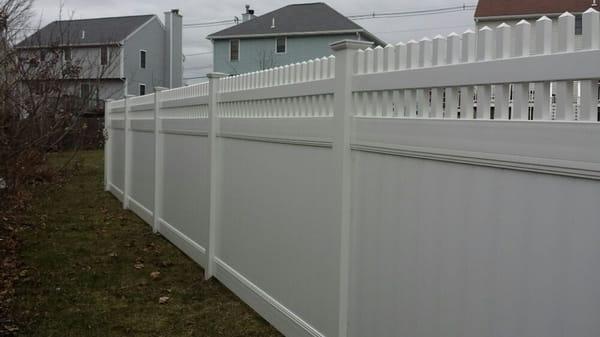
92 269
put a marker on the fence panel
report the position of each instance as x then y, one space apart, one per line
442 187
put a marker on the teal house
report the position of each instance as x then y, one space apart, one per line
291 34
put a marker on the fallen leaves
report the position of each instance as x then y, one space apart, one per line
11 328
155 275
163 300
139 264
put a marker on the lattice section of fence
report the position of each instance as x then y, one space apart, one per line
288 101
185 112
312 70
304 106
492 74
196 90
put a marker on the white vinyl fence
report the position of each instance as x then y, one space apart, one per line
368 194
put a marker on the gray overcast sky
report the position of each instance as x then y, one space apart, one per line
390 30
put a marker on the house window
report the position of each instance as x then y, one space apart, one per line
234 50
104 55
67 54
281 45
578 24
142 89
143 59
85 90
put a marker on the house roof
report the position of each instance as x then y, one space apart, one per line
99 31
297 19
523 8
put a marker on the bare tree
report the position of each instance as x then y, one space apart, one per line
266 59
42 99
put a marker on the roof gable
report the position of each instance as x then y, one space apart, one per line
499 8
86 32
298 18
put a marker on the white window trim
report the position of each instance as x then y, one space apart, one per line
145 58
122 61
239 50
285 44
140 89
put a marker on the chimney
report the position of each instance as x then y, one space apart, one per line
249 15
173 49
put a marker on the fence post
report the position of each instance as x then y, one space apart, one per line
158 162
215 169
127 159
107 145
344 52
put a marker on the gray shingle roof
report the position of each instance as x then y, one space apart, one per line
298 18
97 31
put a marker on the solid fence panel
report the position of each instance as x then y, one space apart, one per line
336 164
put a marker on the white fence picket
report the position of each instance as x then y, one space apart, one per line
542 105
589 88
485 52
502 90
521 90
469 39
452 57
564 89
438 59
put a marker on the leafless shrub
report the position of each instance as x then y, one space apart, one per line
42 102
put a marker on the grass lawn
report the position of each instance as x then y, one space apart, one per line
92 269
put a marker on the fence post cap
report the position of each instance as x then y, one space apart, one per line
156 89
350 44
216 75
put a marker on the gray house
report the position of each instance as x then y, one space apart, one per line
293 33
115 56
